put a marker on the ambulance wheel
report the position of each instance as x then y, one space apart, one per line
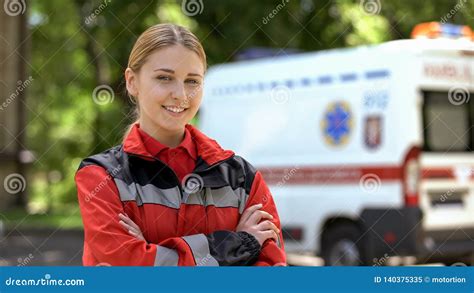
340 246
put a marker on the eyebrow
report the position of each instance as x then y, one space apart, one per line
172 71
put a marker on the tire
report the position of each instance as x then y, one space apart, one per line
339 247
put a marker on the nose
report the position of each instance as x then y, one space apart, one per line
179 92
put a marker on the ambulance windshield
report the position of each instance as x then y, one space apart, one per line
447 123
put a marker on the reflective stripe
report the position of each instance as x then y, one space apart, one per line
220 197
165 256
149 194
200 248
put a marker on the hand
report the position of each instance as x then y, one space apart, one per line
130 226
249 222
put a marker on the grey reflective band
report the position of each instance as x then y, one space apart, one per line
148 194
165 256
200 248
220 197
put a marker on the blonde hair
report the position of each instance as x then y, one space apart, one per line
155 38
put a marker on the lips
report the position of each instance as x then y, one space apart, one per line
175 109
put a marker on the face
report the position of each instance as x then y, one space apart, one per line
168 88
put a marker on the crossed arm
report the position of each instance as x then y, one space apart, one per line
116 240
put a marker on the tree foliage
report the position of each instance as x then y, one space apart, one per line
78 45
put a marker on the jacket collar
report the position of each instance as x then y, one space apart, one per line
209 152
155 147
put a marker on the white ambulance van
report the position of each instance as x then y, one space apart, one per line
368 151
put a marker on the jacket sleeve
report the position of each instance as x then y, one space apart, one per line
100 204
272 252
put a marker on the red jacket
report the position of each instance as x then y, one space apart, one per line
189 223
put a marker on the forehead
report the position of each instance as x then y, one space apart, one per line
176 57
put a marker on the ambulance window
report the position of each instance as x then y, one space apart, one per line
447 126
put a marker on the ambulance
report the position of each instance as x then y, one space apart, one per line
368 151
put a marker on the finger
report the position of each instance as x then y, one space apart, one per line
135 234
129 221
249 211
126 226
124 215
259 215
275 236
268 225
126 220
269 234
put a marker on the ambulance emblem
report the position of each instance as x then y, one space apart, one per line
337 123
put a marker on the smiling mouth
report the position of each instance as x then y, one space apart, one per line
174 109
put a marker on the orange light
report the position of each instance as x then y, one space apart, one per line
433 30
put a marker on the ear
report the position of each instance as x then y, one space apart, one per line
131 82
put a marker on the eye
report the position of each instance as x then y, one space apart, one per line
164 78
193 81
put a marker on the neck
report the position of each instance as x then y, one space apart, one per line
169 138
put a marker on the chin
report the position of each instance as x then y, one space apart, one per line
170 126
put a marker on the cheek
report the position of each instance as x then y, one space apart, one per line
196 98
154 93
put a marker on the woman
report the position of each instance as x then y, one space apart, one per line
169 195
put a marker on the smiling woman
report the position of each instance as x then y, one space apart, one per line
164 76
169 195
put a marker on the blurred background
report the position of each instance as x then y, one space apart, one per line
62 87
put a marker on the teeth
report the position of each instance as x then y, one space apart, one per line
174 109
